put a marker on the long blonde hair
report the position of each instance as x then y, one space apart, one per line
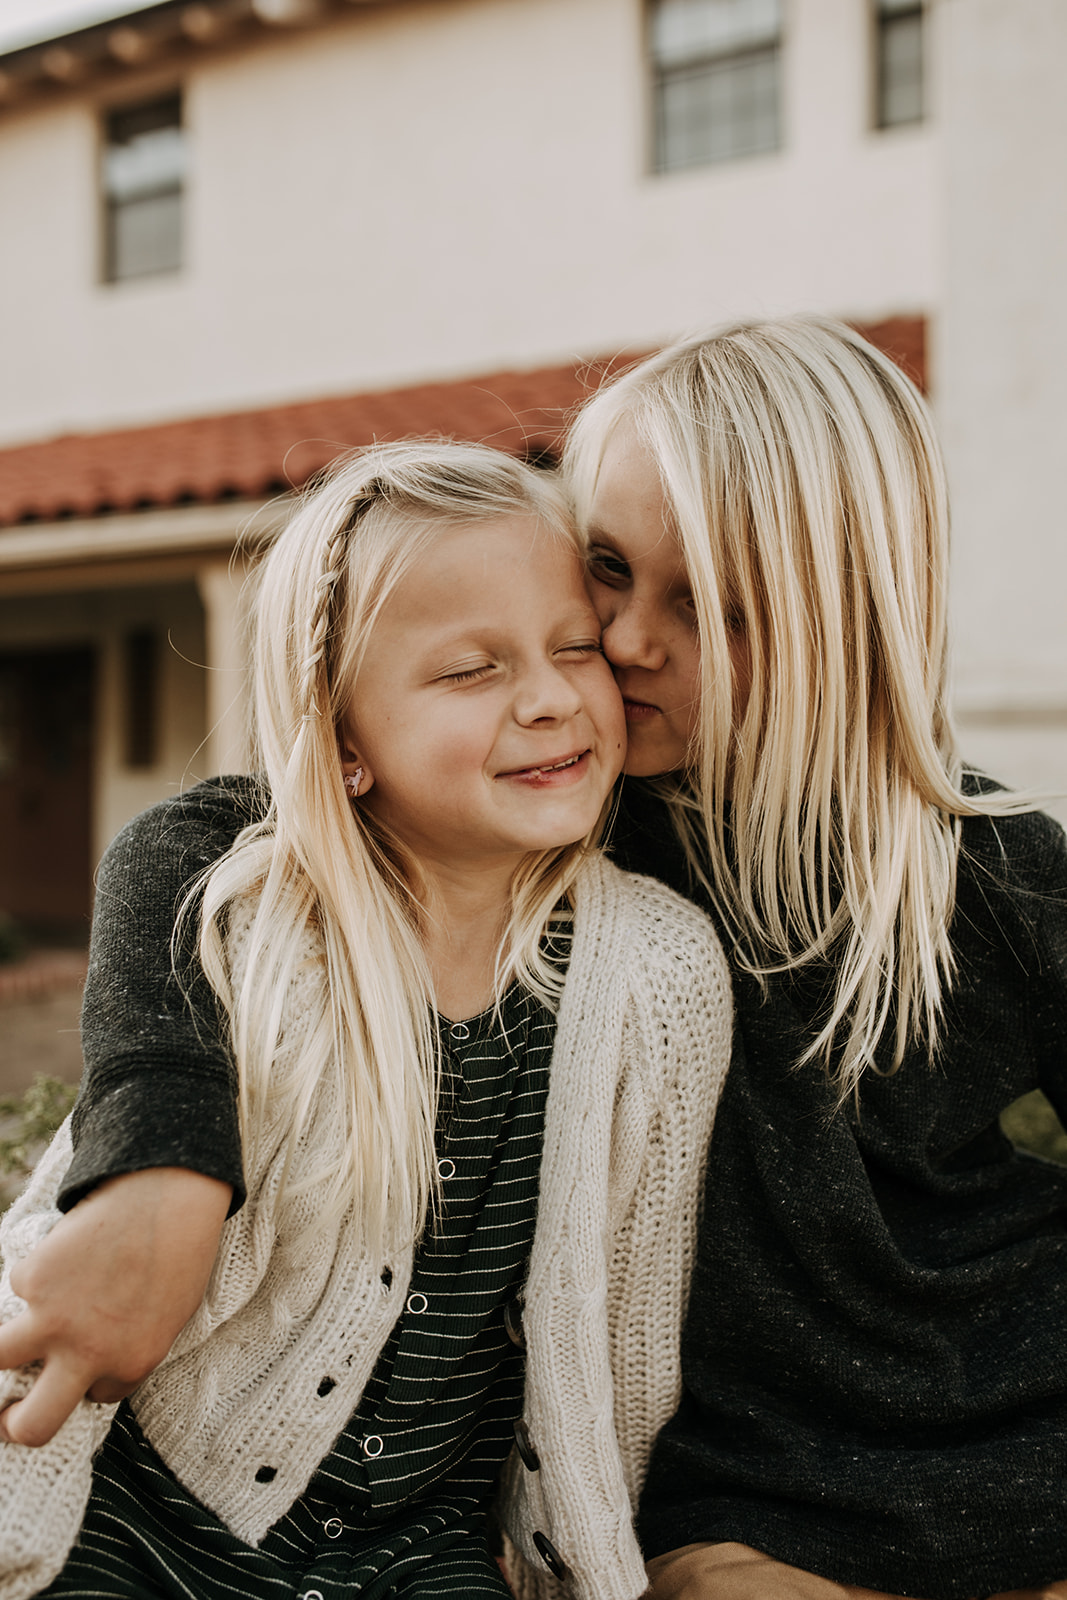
806 488
325 883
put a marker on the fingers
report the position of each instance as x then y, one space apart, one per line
39 1417
57 1390
725 1571
108 1291
19 1344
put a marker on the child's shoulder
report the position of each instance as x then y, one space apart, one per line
661 931
202 821
1022 853
1011 887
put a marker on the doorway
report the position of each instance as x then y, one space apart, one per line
46 760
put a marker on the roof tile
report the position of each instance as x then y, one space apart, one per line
250 454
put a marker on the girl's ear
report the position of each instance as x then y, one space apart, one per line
358 777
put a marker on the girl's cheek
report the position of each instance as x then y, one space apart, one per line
603 602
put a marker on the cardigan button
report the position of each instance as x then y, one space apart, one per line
513 1323
446 1168
524 1444
417 1303
334 1528
372 1446
550 1556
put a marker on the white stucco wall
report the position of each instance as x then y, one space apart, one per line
1001 367
428 190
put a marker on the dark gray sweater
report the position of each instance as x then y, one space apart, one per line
158 1087
874 1358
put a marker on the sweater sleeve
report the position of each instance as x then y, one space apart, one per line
158 1087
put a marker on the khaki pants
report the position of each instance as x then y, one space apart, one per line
737 1572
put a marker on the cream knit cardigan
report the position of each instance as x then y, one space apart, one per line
640 1056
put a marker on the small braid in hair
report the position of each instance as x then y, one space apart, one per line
334 552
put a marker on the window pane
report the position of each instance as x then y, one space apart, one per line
147 164
719 110
145 236
686 29
900 70
142 172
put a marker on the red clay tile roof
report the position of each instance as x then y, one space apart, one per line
250 454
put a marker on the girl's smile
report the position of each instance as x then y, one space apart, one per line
569 769
485 716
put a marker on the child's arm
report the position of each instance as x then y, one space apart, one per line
107 1292
156 1150
158 1089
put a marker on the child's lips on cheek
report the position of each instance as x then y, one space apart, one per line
639 710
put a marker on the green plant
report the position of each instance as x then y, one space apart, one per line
12 938
1032 1124
27 1122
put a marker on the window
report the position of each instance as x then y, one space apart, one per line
898 62
143 170
716 79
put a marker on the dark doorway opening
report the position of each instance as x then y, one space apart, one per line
46 750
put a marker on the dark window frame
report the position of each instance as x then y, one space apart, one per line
120 128
891 22
723 63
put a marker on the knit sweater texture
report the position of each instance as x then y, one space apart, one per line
874 1355
641 1052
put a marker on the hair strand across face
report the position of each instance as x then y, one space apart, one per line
805 484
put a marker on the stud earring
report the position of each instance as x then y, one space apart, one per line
352 783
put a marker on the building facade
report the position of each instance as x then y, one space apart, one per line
245 234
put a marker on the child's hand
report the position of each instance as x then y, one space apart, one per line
737 1572
108 1291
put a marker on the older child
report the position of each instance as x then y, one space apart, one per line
388 939
875 1376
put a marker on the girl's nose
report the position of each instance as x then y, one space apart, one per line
547 694
632 639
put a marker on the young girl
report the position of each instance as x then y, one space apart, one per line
377 940
874 1364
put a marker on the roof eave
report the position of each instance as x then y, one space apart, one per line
173 30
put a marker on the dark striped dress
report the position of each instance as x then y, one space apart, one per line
398 1507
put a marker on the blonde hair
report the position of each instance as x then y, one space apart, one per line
806 487
317 867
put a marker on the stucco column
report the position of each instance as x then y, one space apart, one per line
226 747
1000 374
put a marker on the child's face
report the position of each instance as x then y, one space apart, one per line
643 596
485 715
